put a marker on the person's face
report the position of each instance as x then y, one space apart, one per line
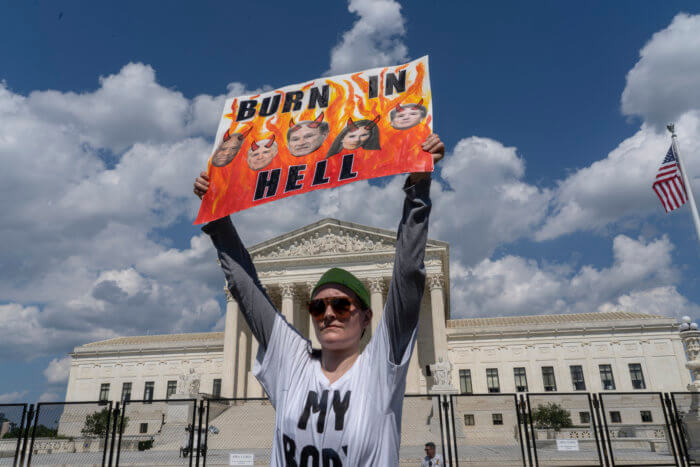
356 138
305 140
335 333
406 118
226 151
430 451
261 157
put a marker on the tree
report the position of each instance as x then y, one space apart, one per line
97 423
41 431
551 416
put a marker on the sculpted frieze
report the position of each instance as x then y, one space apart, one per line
328 243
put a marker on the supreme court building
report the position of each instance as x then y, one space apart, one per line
593 352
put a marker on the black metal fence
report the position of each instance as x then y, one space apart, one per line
530 429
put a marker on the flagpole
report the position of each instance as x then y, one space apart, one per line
686 182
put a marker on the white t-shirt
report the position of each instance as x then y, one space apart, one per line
356 421
427 462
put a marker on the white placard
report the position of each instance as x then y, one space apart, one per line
241 459
567 445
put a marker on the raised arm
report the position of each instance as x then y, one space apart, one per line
241 277
408 280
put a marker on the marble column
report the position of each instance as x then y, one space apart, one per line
242 359
437 305
413 375
287 292
312 330
254 387
376 289
230 345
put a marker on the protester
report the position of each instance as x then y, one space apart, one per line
336 406
431 459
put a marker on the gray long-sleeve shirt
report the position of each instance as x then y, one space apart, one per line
403 298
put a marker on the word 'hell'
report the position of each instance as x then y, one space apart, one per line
269 180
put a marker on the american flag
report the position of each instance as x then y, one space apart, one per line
669 183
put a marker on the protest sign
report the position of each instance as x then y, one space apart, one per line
320 134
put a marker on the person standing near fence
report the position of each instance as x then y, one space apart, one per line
337 407
431 459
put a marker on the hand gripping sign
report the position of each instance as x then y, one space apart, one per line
321 134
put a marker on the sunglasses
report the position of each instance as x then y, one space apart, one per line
341 307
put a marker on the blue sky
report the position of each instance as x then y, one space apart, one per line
552 113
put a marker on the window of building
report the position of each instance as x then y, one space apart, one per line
465 381
646 416
520 379
143 428
637 376
615 417
584 417
148 391
469 419
606 377
550 383
171 389
577 378
216 388
497 418
104 392
492 380
126 392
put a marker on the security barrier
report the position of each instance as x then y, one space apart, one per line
527 429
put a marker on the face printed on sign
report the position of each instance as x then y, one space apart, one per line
356 134
261 153
227 150
407 116
356 138
305 137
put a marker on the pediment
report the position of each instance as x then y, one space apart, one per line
328 237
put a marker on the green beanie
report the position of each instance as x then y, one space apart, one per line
343 277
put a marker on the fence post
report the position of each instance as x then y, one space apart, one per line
523 416
23 435
668 418
194 419
121 430
19 436
592 405
519 419
532 429
199 429
31 442
681 431
114 434
454 430
206 434
446 407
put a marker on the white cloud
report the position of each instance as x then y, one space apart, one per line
376 38
491 202
82 227
49 396
662 87
664 83
130 107
57 371
515 285
12 397
665 301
